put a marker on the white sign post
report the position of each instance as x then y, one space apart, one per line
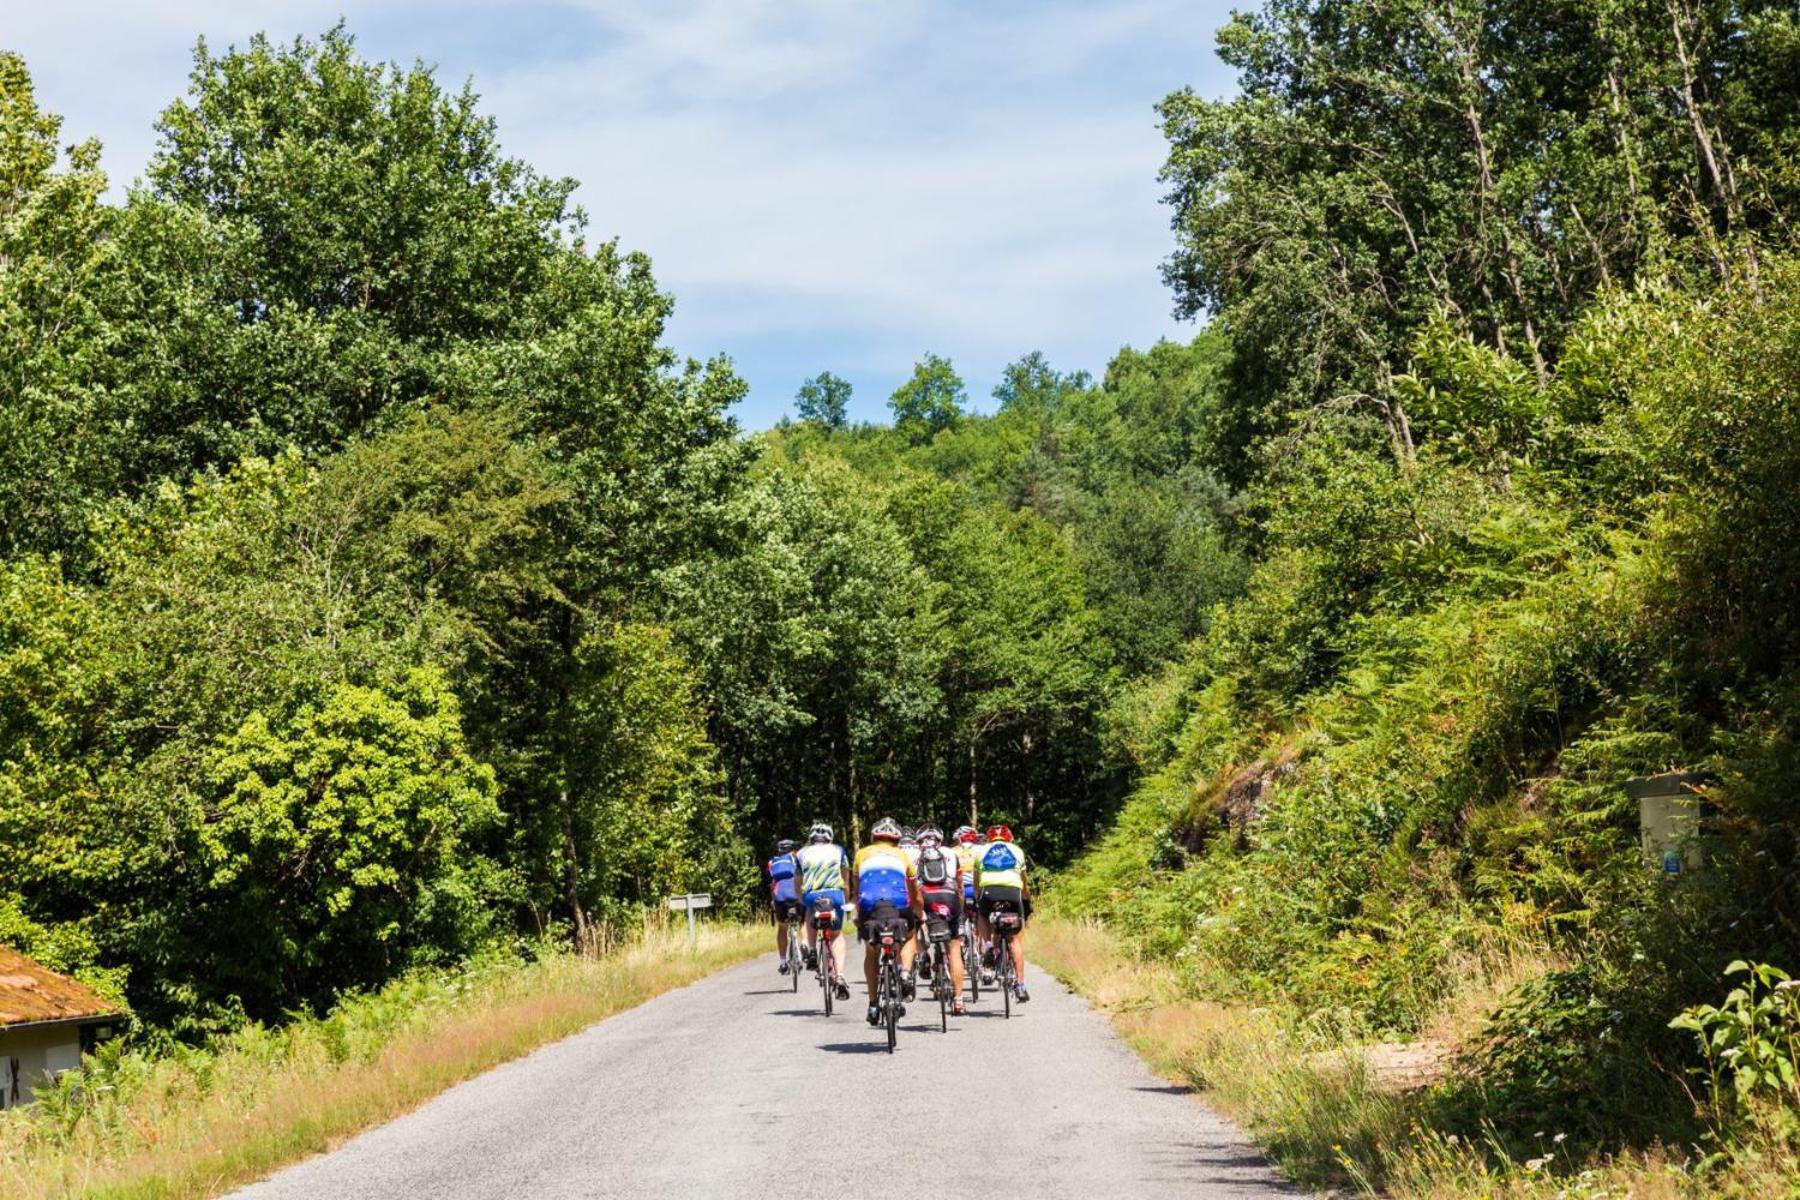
688 904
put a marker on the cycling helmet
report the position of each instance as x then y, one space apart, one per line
819 833
999 833
930 835
886 828
908 841
968 833
784 846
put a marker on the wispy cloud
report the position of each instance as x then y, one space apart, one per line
822 183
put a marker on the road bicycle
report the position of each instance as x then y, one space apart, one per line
1005 923
794 959
888 996
825 923
971 952
939 957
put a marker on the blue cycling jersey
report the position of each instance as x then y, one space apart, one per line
782 870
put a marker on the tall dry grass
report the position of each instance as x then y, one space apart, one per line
1328 1120
195 1124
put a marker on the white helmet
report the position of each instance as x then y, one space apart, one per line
821 832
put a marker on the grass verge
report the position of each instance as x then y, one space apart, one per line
1326 1116
197 1123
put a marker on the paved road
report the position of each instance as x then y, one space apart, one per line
735 1086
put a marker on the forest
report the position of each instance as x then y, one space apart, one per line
378 586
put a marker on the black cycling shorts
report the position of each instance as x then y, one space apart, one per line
944 909
886 916
786 910
1010 898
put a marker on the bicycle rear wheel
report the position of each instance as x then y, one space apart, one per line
827 971
893 1006
1006 975
794 953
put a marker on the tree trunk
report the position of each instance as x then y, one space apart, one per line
584 934
1025 774
974 811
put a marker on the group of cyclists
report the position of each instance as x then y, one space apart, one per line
904 879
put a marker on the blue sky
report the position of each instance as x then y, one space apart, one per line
835 185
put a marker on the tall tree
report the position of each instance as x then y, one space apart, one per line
824 399
930 401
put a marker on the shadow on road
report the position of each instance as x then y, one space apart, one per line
869 1047
1167 1089
771 992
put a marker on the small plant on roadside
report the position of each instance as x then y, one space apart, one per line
1751 1046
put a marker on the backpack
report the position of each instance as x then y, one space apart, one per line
934 868
999 857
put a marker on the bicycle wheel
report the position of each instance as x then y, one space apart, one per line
941 985
794 953
972 965
827 969
1006 974
893 1006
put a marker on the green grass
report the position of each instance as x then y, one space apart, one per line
197 1123
1327 1118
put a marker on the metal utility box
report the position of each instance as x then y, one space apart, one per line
1672 818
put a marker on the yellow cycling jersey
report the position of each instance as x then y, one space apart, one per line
883 873
966 855
1000 864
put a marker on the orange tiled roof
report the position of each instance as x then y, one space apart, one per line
31 992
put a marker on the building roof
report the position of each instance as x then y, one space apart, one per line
32 994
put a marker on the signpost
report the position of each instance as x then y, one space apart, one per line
688 904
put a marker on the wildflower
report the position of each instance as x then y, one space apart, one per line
1537 1164
1560 1138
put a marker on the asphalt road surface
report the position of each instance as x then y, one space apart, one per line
737 1086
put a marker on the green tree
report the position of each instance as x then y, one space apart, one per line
824 399
1385 166
332 849
56 250
930 402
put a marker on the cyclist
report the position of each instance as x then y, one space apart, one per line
784 894
940 883
909 845
1000 883
885 887
966 853
823 869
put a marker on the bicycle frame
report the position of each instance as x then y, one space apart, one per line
825 922
888 986
794 958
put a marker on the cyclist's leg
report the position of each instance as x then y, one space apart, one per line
781 928
865 935
840 948
953 948
910 947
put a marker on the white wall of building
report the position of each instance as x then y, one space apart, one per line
39 1051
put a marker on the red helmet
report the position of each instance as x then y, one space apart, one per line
968 833
999 833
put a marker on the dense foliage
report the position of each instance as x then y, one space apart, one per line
1508 293
376 585
337 473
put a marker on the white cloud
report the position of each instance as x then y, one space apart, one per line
882 175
